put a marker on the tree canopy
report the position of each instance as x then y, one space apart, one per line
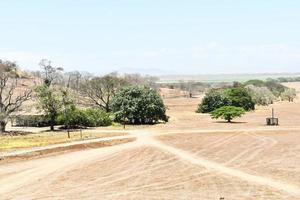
138 105
232 96
289 94
227 112
212 100
50 101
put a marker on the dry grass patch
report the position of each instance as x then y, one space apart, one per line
41 139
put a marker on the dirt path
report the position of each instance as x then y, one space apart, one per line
196 160
20 175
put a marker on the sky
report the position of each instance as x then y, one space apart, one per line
153 36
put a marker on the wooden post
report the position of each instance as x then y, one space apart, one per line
80 133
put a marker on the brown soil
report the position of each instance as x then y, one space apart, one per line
191 157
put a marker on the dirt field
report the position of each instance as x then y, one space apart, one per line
191 157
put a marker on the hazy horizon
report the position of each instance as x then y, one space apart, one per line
153 37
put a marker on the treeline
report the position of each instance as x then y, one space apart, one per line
286 79
75 99
233 101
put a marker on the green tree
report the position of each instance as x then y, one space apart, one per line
227 112
138 105
50 101
239 97
212 100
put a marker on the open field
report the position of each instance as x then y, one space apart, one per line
191 157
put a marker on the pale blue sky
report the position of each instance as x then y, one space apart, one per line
153 36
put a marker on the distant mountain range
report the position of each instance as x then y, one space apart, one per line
223 77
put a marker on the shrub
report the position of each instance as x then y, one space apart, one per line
90 118
227 112
31 121
97 117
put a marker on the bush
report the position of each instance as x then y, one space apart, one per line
90 118
97 117
138 105
227 112
31 121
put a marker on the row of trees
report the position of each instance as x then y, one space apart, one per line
73 99
234 101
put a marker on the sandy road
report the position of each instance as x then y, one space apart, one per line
23 173
196 160
19 175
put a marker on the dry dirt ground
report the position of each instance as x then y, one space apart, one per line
191 157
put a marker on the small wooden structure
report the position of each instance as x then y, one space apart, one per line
272 121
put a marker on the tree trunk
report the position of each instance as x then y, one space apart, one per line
52 123
2 126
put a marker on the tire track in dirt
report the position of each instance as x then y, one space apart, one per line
291 189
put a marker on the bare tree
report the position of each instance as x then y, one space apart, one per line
49 72
10 98
74 80
100 90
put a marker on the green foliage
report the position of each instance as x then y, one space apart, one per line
50 101
31 120
97 117
256 82
233 96
239 97
212 100
273 85
227 112
75 117
138 105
